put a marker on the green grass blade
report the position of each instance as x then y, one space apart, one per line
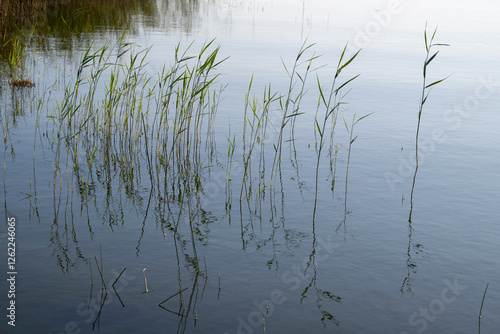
345 123
435 82
482 302
346 63
345 83
431 58
342 55
425 38
319 129
359 119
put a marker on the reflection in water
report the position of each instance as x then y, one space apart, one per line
412 248
67 21
411 194
410 265
322 296
187 302
73 25
181 13
57 18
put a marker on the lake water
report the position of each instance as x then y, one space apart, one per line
226 249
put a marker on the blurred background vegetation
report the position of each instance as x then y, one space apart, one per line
24 20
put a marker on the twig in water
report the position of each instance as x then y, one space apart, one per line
175 294
218 294
116 280
100 273
145 280
481 309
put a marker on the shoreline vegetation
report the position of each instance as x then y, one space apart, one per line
33 24
65 19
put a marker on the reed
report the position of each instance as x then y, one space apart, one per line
175 294
118 119
481 308
289 104
350 130
125 120
426 89
256 118
101 274
91 285
333 163
116 280
230 153
331 104
429 45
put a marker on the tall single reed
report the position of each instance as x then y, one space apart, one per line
426 89
350 130
429 44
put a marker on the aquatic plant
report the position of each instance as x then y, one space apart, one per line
256 117
429 44
481 308
331 104
426 89
350 130
289 104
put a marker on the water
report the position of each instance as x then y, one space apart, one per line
360 267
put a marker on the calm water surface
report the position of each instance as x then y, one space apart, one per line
262 264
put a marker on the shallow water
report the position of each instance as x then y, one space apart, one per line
359 267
